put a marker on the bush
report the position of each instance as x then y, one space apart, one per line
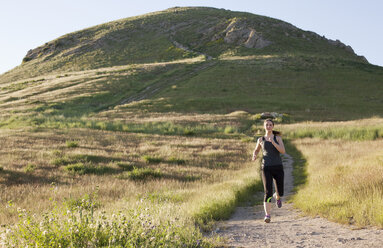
188 132
29 168
256 117
127 166
144 174
78 168
247 139
220 165
71 143
151 160
229 129
26 59
60 161
174 160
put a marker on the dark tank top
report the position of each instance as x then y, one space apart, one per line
271 155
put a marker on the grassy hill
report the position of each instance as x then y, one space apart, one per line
197 60
154 116
153 38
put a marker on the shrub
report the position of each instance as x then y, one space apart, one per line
247 139
144 174
151 160
174 160
26 59
127 166
29 168
78 168
221 165
256 117
229 129
188 132
60 161
71 143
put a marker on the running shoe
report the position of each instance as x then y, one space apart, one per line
279 203
267 218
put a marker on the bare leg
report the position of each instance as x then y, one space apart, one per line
276 194
267 206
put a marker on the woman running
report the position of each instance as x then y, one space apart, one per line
272 168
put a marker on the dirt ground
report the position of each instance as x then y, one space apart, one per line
290 228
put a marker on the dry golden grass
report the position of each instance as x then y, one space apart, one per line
202 162
368 122
344 181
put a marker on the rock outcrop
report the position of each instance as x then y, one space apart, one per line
238 32
338 43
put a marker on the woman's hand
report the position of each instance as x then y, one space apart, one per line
254 157
270 139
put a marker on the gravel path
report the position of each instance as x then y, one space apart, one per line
289 228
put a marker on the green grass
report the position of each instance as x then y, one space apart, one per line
144 174
151 160
157 127
126 166
30 168
318 93
299 165
346 133
222 199
315 89
175 160
82 169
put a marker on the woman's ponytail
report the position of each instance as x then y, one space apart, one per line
277 133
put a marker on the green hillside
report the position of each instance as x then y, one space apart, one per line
202 60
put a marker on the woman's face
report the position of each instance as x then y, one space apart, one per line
269 126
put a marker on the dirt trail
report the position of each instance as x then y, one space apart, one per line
289 228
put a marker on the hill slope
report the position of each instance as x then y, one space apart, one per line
194 60
158 37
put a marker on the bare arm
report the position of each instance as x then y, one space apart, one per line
257 149
280 147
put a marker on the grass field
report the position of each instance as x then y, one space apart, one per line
344 182
194 180
190 178
338 168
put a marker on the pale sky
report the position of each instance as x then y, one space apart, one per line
27 24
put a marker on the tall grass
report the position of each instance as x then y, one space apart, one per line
344 181
143 225
147 222
218 201
365 129
130 168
